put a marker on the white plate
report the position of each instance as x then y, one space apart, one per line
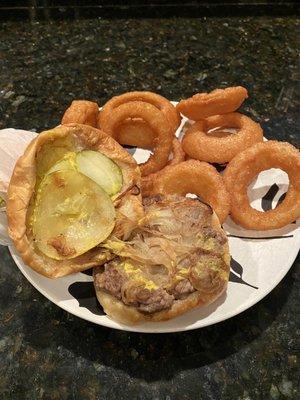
258 265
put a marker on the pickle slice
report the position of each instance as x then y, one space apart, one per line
72 214
67 162
101 170
95 166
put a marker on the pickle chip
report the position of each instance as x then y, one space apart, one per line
101 170
72 214
96 166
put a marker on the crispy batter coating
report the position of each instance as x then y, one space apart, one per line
81 112
157 122
148 181
241 171
198 144
219 101
198 178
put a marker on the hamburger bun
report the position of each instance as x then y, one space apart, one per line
24 187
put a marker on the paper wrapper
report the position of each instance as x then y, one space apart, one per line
13 143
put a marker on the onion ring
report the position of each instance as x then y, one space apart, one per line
201 146
157 122
136 132
178 156
219 101
199 178
246 166
160 102
81 112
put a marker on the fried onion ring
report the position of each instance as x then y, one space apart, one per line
160 102
199 178
246 166
204 147
136 132
219 101
178 156
81 112
157 122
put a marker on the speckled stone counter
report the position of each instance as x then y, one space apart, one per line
46 353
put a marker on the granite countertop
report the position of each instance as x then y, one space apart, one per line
45 353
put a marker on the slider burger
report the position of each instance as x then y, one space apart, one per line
72 188
176 259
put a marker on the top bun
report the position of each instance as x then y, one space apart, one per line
29 171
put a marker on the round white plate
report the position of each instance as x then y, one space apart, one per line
259 261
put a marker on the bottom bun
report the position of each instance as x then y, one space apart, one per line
120 312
